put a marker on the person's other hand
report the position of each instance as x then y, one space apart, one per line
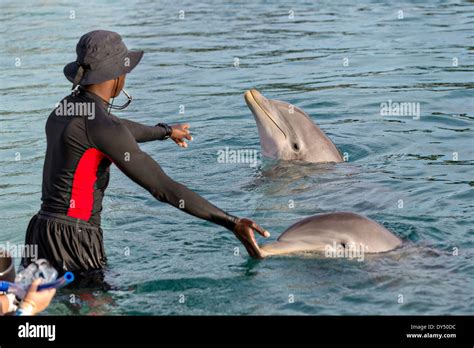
243 230
40 300
180 133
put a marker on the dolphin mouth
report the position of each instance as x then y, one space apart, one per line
250 97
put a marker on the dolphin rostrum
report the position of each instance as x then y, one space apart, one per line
288 133
318 233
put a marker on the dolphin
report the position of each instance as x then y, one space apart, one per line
317 233
288 133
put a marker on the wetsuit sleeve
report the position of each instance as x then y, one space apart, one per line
143 133
117 142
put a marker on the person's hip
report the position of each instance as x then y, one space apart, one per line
69 244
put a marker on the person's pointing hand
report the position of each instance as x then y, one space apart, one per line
180 133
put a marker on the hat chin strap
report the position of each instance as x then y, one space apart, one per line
119 107
78 77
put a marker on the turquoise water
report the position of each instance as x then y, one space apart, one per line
413 175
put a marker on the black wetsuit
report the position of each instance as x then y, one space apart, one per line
80 149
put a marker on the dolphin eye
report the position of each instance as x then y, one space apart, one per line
296 147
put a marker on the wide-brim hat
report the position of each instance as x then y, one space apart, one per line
101 56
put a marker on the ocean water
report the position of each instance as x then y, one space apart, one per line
338 61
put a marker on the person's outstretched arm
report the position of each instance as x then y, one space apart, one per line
116 141
142 133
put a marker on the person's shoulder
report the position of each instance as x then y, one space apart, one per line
114 120
103 118
104 131
106 124
60 106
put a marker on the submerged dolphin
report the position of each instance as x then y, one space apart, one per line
288 133
319 232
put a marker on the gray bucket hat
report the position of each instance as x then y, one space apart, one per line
101 56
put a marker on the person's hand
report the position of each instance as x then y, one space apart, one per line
181 132
38 300
243 230
4 304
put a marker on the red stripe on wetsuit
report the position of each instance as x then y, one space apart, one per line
85 176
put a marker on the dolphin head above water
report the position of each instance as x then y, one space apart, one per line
340 229
288 133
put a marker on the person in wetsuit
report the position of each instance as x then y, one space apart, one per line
83 140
